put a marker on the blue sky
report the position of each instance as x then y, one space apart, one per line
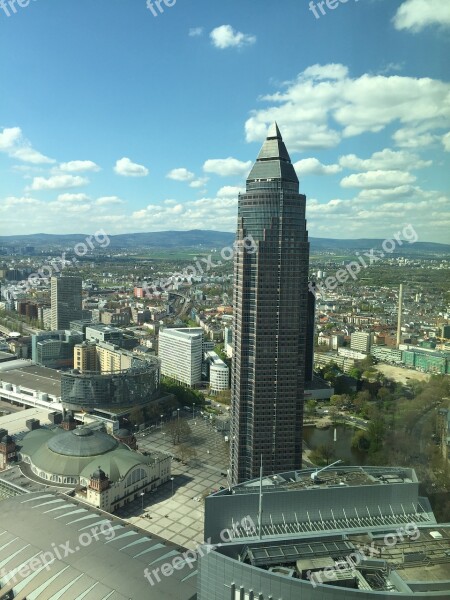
112 117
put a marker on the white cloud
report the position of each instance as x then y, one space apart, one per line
226 37
227 166
57 182
73 197
199 183
414 137
384 160
108 201
180 174
78 166
374 195
380 213
378 179
127 168
415 15
15 145
325 104
218 213
446 142
230 191
312 166
195 31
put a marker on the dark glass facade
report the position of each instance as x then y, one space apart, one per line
130 387
270 326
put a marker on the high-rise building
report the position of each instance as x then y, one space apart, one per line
181 354
65 301
270 319
360 341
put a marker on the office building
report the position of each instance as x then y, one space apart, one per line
65 301
181 354
360 341
85 358
125 388
54 349
270 320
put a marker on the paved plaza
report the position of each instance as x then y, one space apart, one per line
175 511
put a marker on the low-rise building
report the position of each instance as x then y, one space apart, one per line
218 372
104 472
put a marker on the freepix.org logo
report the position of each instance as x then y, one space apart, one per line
9 7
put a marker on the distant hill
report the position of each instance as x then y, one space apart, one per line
199 238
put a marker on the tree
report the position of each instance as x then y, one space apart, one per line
186 453
178 429
340 400
355 373
383 394
367 362
137 416
310 406
323 454
376 431
361 441
334 415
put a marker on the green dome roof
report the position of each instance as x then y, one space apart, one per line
82 442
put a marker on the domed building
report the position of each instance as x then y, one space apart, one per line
103 471
126 437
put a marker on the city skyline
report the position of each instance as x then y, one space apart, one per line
97 134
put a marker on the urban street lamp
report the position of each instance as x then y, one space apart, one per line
193 411
162 420
178 411
171 479
142 498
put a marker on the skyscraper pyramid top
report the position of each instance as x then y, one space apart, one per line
273 131
273 160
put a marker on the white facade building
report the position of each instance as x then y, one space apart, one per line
181 352
219 373
360 341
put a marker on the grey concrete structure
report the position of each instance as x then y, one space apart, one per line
349 532
270 321
56 547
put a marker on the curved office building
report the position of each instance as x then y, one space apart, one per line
129 387
350 533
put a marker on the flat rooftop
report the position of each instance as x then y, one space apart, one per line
415 560
34 377
328 478
15 423
109 563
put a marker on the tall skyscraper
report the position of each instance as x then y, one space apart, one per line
270 318
65 301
